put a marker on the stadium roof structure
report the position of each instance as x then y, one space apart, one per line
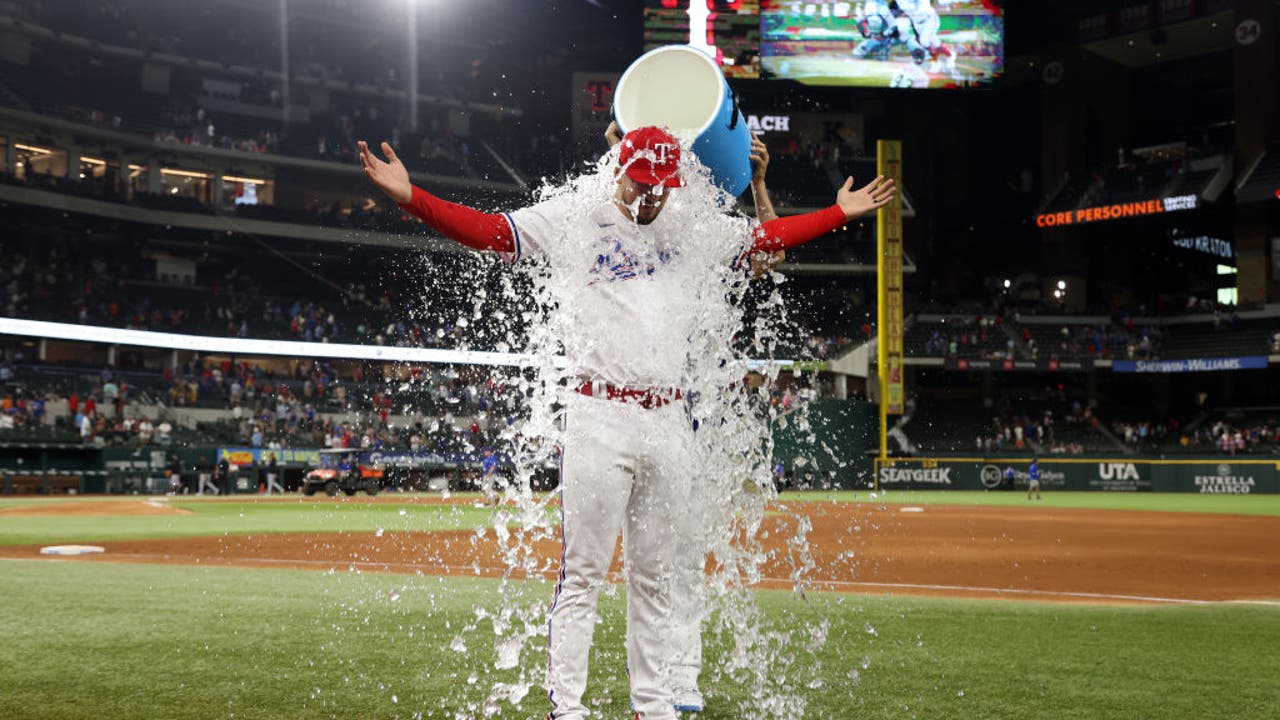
1187 39
1261 181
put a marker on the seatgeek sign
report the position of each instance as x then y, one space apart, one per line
1118 211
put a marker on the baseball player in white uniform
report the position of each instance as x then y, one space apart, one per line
913 23
877 24
925 23
626 430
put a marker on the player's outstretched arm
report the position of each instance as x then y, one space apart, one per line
799 229
872 196
476 230
390 175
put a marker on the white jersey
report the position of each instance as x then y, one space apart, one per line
627 307
924 20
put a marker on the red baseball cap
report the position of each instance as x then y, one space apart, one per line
650 155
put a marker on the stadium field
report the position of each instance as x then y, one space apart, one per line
932 605
115 641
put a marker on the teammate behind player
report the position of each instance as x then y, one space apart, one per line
626 433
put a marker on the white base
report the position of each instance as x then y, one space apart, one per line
72 550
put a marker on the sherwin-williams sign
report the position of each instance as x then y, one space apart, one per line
1237 477
1248 362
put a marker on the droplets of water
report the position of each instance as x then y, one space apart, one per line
508 652
532 310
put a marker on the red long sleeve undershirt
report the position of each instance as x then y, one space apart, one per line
491 231
476 230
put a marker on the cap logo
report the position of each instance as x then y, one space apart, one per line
662 149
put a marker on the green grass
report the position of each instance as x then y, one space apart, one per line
1160 502
213 517
116 641
241 517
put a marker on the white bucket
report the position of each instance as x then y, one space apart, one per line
682 89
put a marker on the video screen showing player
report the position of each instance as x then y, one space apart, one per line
883 43
728 30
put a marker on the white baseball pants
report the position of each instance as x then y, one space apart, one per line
624 468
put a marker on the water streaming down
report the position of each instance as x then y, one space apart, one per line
549 310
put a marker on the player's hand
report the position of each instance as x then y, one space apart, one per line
613 134
759 158
872 196
391 177
763 263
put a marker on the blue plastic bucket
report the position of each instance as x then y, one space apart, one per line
682 89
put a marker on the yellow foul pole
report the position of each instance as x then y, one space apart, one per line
889 295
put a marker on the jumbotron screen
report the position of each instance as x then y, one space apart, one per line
728 30
883 43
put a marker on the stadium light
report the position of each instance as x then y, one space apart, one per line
184 173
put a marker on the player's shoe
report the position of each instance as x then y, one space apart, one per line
687 700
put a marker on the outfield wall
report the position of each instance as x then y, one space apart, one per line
1228 475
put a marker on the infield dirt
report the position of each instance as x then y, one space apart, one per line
1033 552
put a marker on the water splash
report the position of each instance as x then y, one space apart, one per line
537 308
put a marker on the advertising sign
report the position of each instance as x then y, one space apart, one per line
1232 476
1250 362
261 456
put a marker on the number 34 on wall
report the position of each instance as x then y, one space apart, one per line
1247 31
